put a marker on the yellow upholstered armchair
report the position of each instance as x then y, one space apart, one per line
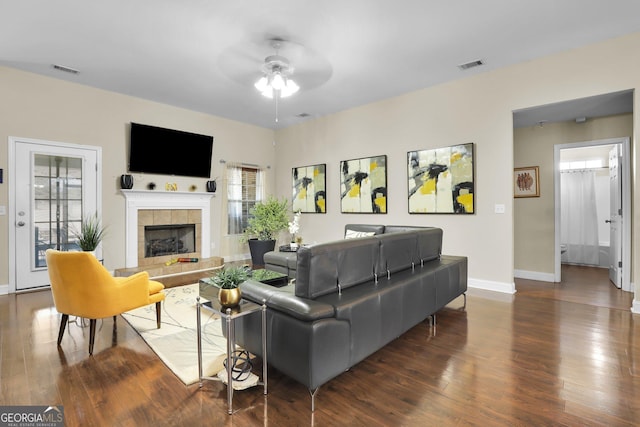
82 287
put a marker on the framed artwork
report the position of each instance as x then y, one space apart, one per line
309 189
526 182
441 180
363 185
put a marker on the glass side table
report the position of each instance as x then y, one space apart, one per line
229 315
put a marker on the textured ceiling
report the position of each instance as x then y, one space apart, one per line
205 55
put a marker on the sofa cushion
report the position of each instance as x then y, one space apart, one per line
398 251
429 244
328 267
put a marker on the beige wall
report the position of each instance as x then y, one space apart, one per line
534 231
476 109
33 106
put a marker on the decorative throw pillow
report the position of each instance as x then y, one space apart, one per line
352 234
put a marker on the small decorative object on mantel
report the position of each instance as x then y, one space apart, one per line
151 186
193 188
228 281
126 182
526 182
171 186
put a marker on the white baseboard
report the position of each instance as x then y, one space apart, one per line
534 275
4 289
487 285
635 307
238 257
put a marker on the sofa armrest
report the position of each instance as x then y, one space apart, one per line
284 300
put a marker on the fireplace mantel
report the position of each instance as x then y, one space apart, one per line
136 200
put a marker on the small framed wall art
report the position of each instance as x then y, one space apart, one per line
363 185
309 189
526 182
441 180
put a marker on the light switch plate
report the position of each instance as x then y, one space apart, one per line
499 209
3 210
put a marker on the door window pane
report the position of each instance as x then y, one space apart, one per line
57 203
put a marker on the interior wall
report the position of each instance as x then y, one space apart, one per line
38 107
476 109
534 230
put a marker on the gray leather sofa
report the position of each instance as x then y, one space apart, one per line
350 298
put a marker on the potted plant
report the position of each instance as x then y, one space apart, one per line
228 281
266 220
90 234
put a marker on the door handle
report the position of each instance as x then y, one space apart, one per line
608 221
21 223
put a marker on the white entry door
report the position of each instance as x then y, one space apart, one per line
615 217
53 187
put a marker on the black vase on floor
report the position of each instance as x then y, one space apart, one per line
126 182
258 248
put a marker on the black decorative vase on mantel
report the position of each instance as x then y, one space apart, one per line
126 182
258 248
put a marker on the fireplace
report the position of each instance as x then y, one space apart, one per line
170 239
169 209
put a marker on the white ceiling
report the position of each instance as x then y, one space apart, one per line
205 55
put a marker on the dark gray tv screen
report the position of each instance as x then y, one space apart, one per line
163 151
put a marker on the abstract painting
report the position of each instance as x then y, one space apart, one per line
309 193
441 180
363 185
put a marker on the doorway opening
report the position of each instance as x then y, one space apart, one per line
539 134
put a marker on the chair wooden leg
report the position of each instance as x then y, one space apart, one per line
63 325
92 334
158 313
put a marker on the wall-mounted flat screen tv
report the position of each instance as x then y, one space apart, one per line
169 152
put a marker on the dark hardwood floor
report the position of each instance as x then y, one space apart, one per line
552 354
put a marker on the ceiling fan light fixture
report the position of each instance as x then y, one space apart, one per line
289 88
262 84
277 80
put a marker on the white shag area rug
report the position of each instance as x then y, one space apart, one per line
175 342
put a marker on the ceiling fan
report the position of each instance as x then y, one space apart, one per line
277 79
250 60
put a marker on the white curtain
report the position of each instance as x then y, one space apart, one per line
236 197
579 220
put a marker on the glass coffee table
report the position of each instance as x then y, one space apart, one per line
269 277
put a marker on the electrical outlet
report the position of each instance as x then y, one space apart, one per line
3 210
499 209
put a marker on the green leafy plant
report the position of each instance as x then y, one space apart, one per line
91 233
229 278
268 218
262 274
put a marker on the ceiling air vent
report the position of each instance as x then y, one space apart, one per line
471 64
303 115
65 69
